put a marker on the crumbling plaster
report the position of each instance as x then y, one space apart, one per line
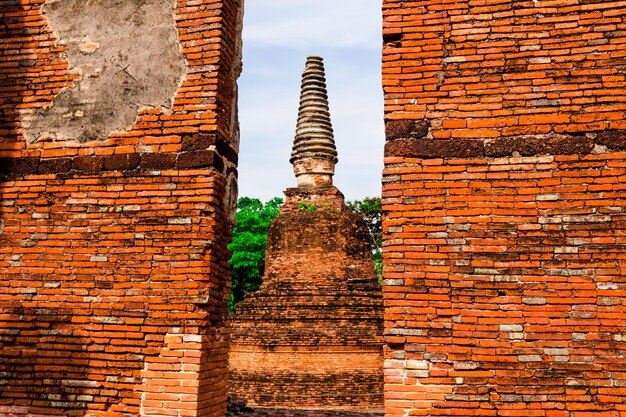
128 57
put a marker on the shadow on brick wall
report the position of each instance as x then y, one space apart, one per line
30 70
240 410
14 71
43 364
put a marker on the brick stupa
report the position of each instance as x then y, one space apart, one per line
311 337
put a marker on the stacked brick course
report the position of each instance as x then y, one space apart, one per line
113 251
500 69
504 193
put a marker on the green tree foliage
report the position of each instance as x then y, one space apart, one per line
248 245
371 210
250 240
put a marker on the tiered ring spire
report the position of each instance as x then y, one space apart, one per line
314 153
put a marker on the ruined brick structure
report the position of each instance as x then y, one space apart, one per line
504 197
505 166
311 337
118 149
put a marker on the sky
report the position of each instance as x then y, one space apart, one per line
278 36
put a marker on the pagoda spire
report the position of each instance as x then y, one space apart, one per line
314 154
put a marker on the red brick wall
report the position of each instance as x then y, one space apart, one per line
490 69
113 252
504 196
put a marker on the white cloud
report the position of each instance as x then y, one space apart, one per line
298 23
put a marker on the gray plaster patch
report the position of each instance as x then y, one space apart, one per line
128 57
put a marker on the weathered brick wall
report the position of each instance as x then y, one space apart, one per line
504 204
490 69
113 248
311 337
